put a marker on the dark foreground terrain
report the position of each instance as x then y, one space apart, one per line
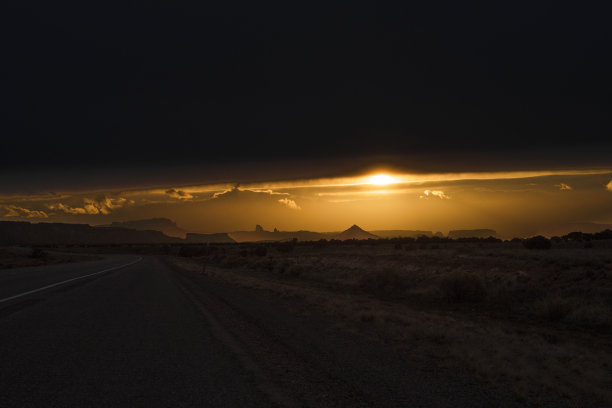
308 326
18 257
147 335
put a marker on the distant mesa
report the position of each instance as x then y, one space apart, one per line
165 225
355 232
403 233
472 233
25 233
261 235
219 238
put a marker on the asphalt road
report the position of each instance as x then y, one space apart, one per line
125 338
142 334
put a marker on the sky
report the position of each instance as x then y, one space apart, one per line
161 109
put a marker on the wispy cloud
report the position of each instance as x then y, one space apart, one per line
434 194
103 206
237 190
290 203
179 194
563 186
69 210
21 212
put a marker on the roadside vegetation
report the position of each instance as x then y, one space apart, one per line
530 315
533 318
19 257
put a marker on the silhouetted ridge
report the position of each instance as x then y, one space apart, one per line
472 233
12 232
164 225
355 232
403 233
217 238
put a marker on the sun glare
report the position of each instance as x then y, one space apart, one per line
381 179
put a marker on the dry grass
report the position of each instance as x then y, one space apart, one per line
538 322
462 287
17 257
385 284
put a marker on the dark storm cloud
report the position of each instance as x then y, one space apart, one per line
424 86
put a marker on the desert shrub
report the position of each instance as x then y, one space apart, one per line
191 251
322 243
574 236
232 262
288 268
553 308
37 253
295 270
591 316
384 284
537 242
459 287
267 264
285 246
260 250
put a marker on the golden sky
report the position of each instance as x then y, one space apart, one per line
513 203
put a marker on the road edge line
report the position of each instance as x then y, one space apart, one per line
114 268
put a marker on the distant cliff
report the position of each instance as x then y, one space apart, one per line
12 232
221 237
401 233
165 225
473 233
259 234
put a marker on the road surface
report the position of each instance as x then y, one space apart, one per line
128 331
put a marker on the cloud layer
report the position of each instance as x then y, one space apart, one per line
103 206
563 186
433 201
290 203
435 194
20 212
179 194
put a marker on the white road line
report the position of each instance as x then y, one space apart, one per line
68 280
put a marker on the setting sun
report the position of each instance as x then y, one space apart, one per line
381 179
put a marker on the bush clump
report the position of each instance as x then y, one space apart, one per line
553 308
260 250
594 316
574 312
37 253
537 242
463 287
286 246
189 251
384 284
